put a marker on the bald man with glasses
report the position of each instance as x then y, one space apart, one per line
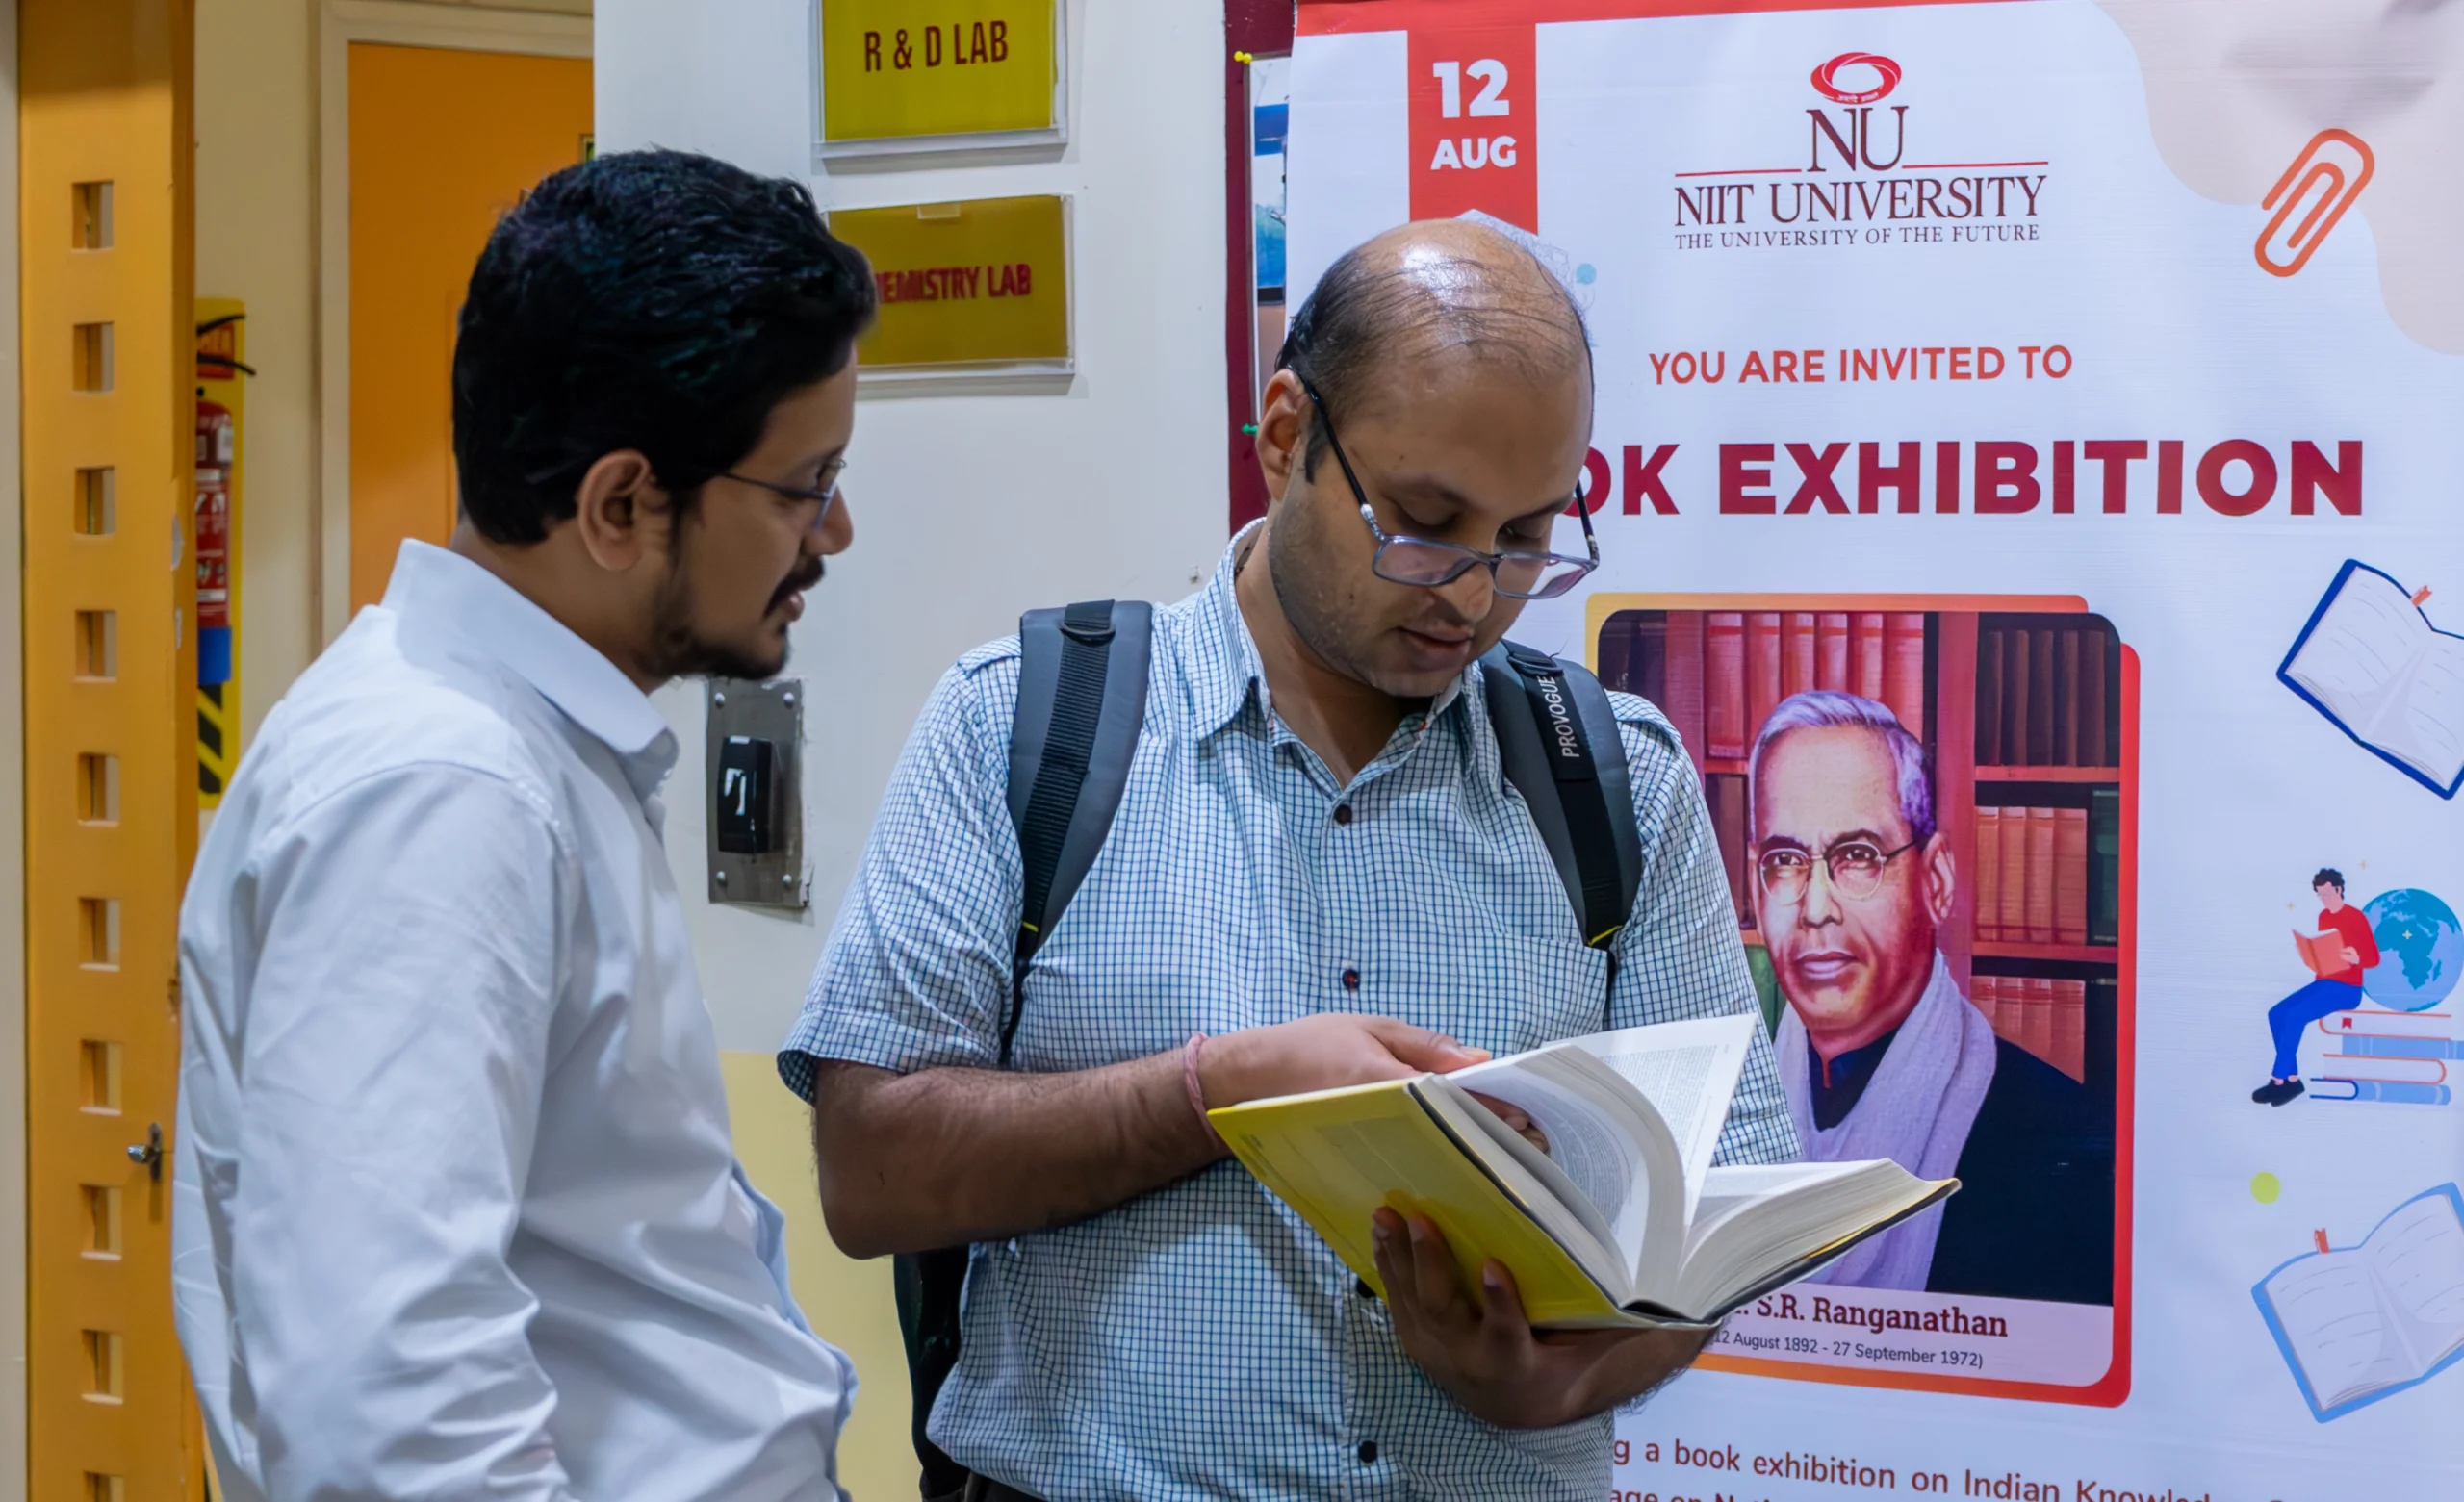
1317 876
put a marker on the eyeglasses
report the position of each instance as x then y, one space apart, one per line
828 492
1428 563
1855 868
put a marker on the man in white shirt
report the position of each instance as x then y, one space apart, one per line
458 1211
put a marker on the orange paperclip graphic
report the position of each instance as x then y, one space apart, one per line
2320 186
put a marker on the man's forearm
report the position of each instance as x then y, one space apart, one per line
944 1157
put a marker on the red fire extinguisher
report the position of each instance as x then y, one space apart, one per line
213 457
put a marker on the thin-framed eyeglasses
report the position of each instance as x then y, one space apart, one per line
1428 563
825 493
1855 866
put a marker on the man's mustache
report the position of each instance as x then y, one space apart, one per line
803 579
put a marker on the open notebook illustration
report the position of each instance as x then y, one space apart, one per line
2359 1323
2372 663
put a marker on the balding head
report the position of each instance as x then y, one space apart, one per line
1426 294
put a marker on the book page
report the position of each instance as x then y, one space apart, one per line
2427 727
1759 1220
2418 1255
1688 1071
2357 659
1603 1166
1561 1205
2329 1306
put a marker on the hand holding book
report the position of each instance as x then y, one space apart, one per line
1484 1350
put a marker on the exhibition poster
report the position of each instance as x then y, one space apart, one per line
2023 467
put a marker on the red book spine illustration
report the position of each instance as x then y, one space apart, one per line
2012 889
1865 639
1762 669
2039 1038
1904 671
2070 1029
1799 653
2016 669
2093 644
1727 827
1724 684
2065 701
2040 876
2071 875
1989 700
1831 651
1989 873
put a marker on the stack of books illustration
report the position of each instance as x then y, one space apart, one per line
2393 1056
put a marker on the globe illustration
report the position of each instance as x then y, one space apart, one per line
2421 949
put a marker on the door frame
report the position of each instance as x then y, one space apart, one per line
14 1208
399 23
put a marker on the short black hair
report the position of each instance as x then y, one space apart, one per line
1367 314
2328 875
655 300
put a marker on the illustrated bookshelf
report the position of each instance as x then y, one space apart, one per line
2019 713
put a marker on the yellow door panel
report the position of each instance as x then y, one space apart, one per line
110 669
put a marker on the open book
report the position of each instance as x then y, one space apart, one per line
2322 953
2358 1323
2371 661
1622 1221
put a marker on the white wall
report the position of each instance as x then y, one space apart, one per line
967 509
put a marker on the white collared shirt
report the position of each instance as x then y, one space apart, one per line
457 1213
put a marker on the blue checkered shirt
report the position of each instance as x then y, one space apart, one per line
1202 1341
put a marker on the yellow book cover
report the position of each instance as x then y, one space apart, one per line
1336 1155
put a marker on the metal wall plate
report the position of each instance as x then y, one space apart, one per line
773 711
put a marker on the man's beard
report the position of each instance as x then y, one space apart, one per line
1295 566
678 651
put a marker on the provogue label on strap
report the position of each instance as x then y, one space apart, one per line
2023 472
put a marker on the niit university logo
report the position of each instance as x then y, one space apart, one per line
1860 172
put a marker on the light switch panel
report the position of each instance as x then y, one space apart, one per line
753 745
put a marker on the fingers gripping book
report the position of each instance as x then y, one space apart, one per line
1621 1221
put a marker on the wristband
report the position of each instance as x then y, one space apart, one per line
1197 1093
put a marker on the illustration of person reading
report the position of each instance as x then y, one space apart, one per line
1880 1053
2342 948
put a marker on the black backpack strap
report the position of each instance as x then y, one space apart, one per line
1081 700
1559 739
929 1286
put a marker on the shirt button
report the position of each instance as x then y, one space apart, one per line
1351 979
1369 1452
1343 813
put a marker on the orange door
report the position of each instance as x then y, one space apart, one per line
442 141
107 356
